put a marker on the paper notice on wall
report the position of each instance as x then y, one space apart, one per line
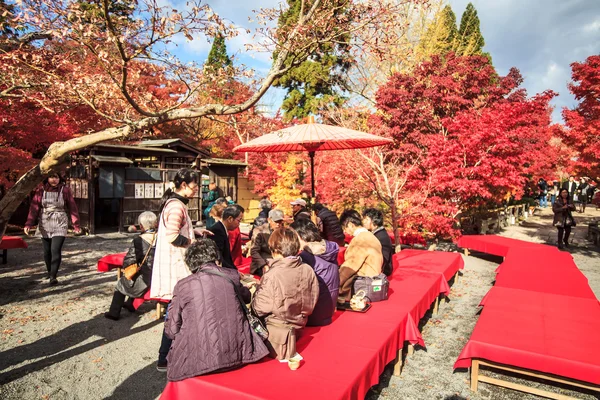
149 190
77 189
139 190
84 189
159 190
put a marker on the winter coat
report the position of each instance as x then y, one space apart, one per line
209 329
221 239
285 298
387 249
559 213
363 257
322 258
302 213
330 227
259 251
140 245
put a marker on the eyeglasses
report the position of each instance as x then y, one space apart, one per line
192 187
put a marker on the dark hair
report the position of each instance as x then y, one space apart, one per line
350 216
375 215
233 210
199 253
186 175
61 179
221 201
284 241
318 207
560 194
307 230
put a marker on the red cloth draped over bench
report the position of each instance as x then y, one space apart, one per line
497 245
538 270
111 261
441 262
341 361
538 331
12 242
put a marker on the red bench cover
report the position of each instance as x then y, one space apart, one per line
12 242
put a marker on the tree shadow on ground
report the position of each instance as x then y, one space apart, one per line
63 344
145 384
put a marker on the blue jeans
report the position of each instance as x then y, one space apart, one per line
543 201
552 199
165 342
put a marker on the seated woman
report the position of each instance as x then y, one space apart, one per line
286 295
363 257
141 252
210 331
321 255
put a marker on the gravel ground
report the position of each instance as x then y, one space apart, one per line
55 343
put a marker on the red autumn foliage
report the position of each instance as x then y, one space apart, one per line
472 135
582 131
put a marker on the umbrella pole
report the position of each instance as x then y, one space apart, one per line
312 173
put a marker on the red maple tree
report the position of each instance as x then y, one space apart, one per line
582 132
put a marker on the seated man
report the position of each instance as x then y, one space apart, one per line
231 218
299 209
373 221
329 224
321 256
363 256
260 252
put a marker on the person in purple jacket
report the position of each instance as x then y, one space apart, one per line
321 255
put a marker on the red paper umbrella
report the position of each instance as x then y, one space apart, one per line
312 137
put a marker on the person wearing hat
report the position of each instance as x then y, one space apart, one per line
259 250
299 210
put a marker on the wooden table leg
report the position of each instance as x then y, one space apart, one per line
436 305
466 252
411 349
398 364
474 374
158 310
456 278
4 256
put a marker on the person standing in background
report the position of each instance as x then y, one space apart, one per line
51 207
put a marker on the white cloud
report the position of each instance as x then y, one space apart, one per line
593 27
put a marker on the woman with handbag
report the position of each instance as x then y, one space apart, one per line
563 217
51 207
207 318
287 294
138 261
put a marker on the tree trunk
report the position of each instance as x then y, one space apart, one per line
15 195
394 211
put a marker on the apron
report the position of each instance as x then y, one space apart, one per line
169 263
54 220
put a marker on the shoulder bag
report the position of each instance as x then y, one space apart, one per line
131 271
255 323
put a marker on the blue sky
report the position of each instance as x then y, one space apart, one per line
539 37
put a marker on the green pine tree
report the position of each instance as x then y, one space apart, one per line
440 37
217 57
470 40
318 81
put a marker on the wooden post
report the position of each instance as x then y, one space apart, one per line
474 374
398 364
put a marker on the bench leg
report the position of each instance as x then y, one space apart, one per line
436 305
466 252
119 273
411 349
474 374
398 364
159 310
4 256
456 278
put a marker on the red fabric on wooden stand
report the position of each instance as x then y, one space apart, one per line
235 244
538 331
441 262
497 245
111 261
341 361
12 242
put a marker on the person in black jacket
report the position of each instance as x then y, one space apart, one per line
232 216
373 221
571 186
299 209
329 224
141 252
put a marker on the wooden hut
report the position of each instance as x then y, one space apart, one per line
114 183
